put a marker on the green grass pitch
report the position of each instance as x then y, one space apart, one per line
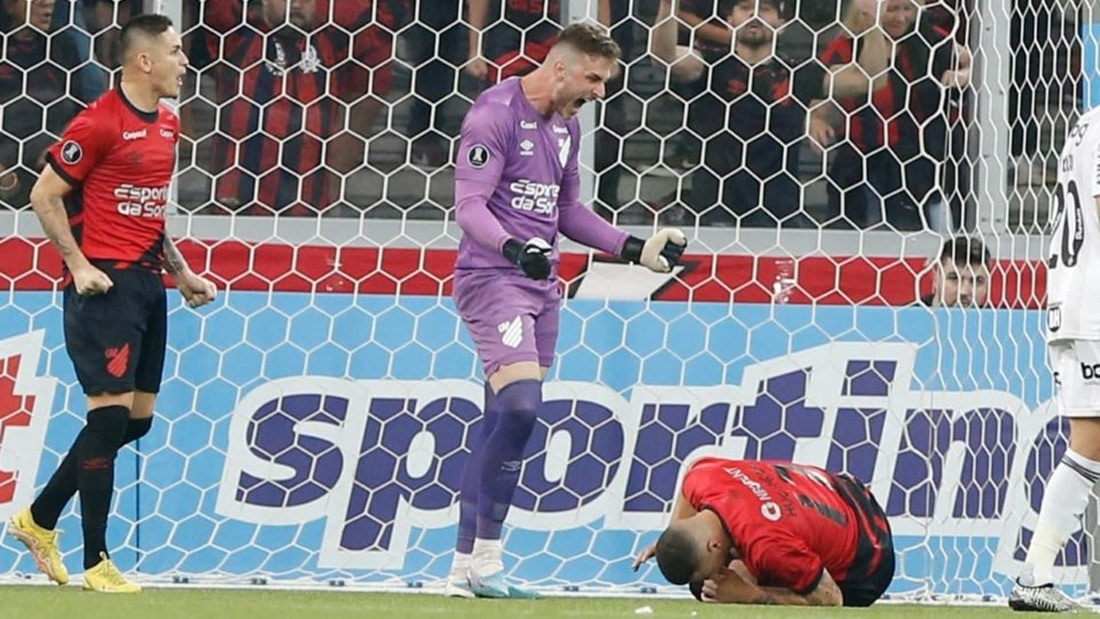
35 602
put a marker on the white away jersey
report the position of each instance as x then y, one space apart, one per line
1073 260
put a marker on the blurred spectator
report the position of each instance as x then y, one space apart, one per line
35 94
297 96
611 132
753 116
103 19
69 21
887 170
436 45
1043 40
954 16
710 32
513 39
961 277
704 28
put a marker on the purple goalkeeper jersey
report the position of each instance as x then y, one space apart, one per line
526 165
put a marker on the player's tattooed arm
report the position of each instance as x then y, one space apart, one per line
731 588
826 593
46 200
196 290
174 262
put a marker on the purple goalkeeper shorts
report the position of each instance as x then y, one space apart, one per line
509 317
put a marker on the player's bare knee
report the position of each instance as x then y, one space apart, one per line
143 405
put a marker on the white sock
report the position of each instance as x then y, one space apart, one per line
1064 500
488 557
460 564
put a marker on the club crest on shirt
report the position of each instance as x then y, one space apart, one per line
564 145
71 152
477 156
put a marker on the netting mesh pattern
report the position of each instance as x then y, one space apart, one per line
313 422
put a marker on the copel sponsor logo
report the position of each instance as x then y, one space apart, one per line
138 201
26 401
134 135
376 459
749 483
534 197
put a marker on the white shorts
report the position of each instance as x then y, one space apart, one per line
1076 365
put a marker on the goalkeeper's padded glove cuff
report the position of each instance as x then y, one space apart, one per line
632 249
513 250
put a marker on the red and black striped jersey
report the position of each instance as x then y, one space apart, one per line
789 522
897 114
120 161
282 90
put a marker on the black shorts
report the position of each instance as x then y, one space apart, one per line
117 340
872 571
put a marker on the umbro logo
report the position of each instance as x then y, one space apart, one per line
526 148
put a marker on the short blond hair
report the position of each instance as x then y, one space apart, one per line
589 39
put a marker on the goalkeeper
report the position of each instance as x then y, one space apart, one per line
753 532
517 187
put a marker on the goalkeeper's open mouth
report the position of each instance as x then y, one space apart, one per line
579 103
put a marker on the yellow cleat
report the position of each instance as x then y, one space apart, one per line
105 578
42 543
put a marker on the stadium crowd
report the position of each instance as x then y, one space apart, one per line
753 113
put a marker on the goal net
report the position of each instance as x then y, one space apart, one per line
314 421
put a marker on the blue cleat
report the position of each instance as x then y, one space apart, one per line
519 593
495 586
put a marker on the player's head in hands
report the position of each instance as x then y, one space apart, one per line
755 22
693 549
576 70
298 13
152 56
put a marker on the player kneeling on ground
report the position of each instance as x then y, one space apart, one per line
751 532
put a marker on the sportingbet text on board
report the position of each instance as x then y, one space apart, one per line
325 439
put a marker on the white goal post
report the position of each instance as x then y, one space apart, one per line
314 421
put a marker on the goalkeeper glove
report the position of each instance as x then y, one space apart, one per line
533 257
659 253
